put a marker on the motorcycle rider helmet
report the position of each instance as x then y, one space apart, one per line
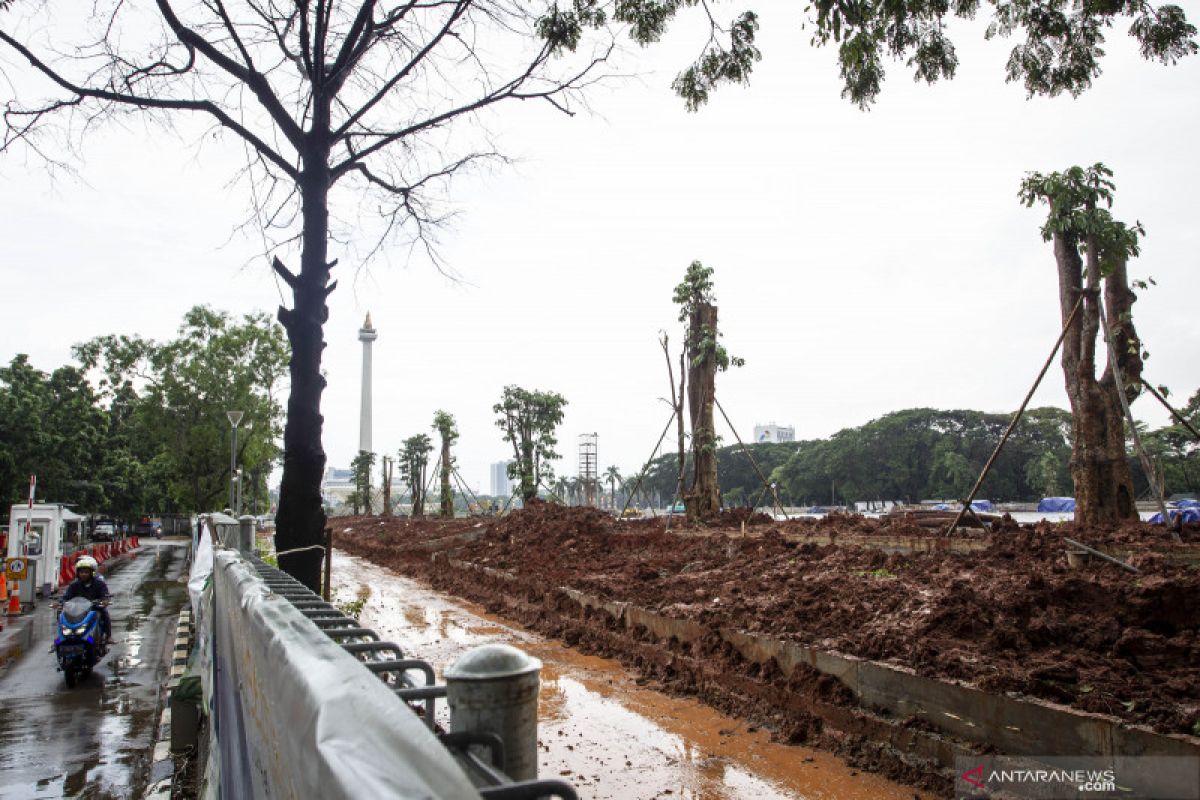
86 562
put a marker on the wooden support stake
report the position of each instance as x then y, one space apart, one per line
766 484
1013 423
1099 554
1178 417
328 560
649 460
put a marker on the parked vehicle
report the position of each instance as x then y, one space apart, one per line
79 645
148 527
104 531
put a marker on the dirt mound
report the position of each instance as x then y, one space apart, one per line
734 517
1010 616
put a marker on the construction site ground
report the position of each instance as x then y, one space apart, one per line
1012 612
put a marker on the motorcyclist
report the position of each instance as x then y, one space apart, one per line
90 585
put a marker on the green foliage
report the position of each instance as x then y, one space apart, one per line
528 419
169 430
1079 201
1060 49
444 424
360 470
694 290
926 453
414 458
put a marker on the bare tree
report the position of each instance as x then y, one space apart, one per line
367 95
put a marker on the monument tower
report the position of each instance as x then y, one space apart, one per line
366 335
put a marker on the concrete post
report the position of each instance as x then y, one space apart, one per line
245 540
494 689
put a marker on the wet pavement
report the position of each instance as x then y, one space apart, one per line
598 728
93 741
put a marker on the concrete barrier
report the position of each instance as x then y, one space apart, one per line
298 716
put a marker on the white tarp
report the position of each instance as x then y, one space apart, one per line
298 717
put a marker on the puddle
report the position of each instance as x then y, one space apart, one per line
597 728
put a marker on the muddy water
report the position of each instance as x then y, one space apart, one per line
94 740
597 728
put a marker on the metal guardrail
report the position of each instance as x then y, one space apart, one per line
389 663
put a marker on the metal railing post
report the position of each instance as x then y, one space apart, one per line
494 689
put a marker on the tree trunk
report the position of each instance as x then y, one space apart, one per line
301 519
704 499
447 496
1104 492
387 487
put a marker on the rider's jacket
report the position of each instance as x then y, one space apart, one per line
95 589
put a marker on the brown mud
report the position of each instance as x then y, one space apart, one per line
1010 616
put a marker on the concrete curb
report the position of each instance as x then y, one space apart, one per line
162 762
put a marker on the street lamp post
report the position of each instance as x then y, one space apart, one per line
234 418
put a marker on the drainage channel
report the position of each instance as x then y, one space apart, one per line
387 661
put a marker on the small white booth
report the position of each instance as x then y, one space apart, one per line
51 533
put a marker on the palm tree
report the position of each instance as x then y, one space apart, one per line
613 475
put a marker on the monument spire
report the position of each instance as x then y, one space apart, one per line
366 335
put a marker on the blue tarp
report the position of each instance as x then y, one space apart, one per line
1058 504
941 507
1187 502
1189 515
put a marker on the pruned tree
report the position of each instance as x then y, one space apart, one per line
414 458
529 419
1092 249
368 96
444 424
705 357
386 463
360 470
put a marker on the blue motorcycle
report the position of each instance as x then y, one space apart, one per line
80 644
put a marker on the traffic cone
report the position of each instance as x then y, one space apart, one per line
14 603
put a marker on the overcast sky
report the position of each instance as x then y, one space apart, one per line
865 261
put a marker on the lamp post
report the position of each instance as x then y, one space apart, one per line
234 418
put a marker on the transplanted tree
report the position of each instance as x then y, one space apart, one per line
1091 248
444 424
414 458
360 471
705 357
529 419
359 94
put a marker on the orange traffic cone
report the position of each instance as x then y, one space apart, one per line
14 603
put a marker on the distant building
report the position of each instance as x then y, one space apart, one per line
337 484
501 484
774 434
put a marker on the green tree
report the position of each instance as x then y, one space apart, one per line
1081 227
178 392
414 459
447 429
613 476
360 471
951 475
51 426
529 419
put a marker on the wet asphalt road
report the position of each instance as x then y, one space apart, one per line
94 741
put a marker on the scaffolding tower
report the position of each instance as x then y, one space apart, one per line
589 469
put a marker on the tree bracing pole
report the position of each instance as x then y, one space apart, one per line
649 460
1178 417
962 512
766 484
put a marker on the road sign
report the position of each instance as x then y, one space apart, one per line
17 569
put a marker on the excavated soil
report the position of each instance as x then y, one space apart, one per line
1011 616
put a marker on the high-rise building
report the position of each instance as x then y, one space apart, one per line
773 433
501 483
